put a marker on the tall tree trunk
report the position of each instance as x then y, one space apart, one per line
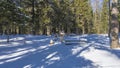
33 17
109 21
114 26
77 30
48 30
8 32
68 30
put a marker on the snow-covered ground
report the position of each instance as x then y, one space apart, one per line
27 51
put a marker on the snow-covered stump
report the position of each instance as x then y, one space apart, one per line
51 42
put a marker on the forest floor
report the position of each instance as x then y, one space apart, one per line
28 51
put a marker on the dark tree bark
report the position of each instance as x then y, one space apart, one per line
33 17
109 21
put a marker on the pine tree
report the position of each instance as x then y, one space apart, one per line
105 17
66 16
8 15
58 18
45 16
96 15
82 13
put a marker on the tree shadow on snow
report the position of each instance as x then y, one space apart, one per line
101 42
57 56
42 55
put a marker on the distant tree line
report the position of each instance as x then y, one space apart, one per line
52 16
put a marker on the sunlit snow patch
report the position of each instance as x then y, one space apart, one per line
101 58
52 58
28 42
51 55
28 66
76 50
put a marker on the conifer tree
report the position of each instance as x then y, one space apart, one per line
82 10
105 17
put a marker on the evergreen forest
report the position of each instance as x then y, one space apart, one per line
46 17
